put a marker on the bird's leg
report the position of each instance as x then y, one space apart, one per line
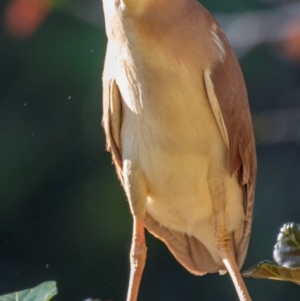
224 246
223 242
137 258
136 190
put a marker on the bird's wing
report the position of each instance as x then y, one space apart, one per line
228 98
112 114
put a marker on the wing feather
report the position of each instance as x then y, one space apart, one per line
112 119
225 85
214 103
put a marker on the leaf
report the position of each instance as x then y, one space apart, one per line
287 249
270 270
286 253
43 292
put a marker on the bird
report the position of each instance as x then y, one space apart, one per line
177 122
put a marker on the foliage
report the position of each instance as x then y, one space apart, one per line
286 254
42 292
287 249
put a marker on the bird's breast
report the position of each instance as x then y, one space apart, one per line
169 132
165 106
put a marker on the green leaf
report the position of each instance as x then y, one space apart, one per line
42 292
287 249
270 270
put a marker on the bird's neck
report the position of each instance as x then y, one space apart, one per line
137 8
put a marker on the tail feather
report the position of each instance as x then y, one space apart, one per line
188 250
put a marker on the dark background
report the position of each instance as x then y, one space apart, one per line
63 214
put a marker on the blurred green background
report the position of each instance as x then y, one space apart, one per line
63 214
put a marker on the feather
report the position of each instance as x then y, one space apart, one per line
111 122
230 91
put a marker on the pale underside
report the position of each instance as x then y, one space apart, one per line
178 154
173 156
170 145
